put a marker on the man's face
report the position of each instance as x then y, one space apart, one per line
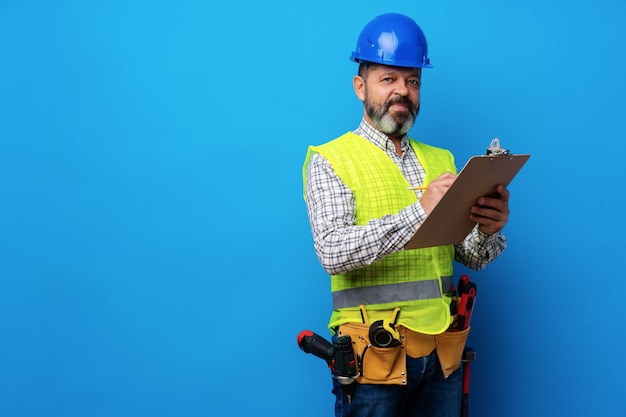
391 97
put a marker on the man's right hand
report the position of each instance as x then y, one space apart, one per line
435 191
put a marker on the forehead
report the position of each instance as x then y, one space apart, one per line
403 71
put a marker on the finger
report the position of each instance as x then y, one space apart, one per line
484 213
447 178
504 192
488 225
500 203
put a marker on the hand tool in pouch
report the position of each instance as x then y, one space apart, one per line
467 295
339 356
383 333
468 356
344 365
316 345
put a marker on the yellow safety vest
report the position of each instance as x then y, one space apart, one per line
410 279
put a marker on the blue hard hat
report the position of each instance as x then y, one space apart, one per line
392 39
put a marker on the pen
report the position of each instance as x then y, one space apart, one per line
418 187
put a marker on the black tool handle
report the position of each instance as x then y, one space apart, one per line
316 345
465 405
344 360
468 356
344 365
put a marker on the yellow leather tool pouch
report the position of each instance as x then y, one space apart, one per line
450 347
418 344
375 365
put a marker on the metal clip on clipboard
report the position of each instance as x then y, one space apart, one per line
495 149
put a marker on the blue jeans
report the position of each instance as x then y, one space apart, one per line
427 394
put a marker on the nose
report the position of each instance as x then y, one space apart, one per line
401 87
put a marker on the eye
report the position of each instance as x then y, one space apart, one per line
415 83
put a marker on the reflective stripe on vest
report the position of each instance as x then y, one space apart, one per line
380 294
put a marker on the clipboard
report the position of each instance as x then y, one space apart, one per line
449 222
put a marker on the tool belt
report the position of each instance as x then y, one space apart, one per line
387 365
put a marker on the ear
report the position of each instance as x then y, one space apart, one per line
359 87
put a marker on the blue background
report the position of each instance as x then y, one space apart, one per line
155 255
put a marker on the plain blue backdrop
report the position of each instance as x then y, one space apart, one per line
155 255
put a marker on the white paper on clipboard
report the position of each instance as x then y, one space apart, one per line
449 222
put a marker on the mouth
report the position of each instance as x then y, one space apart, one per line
398 104
399 107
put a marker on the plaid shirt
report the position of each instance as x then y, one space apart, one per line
343 246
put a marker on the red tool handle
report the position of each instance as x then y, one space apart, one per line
465 397
466 306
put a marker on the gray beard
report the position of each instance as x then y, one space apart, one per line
386 122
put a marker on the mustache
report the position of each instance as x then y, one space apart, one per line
399 100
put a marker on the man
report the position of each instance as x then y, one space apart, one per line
363 211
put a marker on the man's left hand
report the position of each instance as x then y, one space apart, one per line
492 213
